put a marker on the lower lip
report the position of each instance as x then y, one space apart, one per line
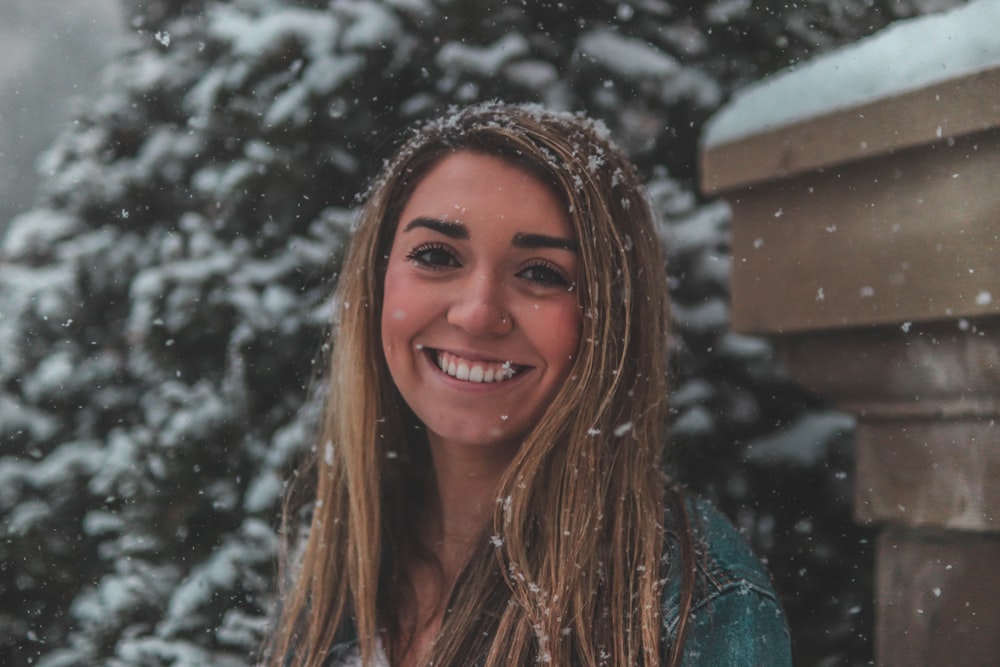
466 385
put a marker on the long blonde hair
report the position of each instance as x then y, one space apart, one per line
570 570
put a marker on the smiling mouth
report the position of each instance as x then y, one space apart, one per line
483 372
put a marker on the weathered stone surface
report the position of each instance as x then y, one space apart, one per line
943 473
938 599
951 108
944 369
927 401
911 236
866 242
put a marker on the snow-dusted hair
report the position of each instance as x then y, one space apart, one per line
570 570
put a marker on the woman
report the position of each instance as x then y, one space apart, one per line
490 490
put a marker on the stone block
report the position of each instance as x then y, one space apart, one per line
911 236
938 599
929 472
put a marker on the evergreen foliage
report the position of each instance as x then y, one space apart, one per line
162 314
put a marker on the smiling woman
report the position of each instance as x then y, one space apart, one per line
479 286
490 488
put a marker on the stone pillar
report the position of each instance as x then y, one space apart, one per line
866 245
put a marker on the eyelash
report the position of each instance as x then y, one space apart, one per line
556 277
420 256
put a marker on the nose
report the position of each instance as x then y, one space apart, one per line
478 307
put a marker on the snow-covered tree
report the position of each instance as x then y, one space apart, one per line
162 314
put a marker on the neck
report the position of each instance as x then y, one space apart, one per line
463 497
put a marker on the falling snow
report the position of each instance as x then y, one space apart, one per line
162 310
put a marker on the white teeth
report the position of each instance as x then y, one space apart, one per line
472 371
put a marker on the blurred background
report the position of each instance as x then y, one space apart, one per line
51 56
164 287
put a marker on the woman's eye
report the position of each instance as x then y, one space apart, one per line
545 275
432 256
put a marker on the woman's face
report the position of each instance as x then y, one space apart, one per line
480 319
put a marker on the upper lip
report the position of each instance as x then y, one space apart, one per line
476 356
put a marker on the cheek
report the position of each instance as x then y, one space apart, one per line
562 330
396 328
394 313
406 306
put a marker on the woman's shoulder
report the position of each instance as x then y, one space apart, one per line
724 557
735 615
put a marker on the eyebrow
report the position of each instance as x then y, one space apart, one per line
451 229
458 231
522 240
